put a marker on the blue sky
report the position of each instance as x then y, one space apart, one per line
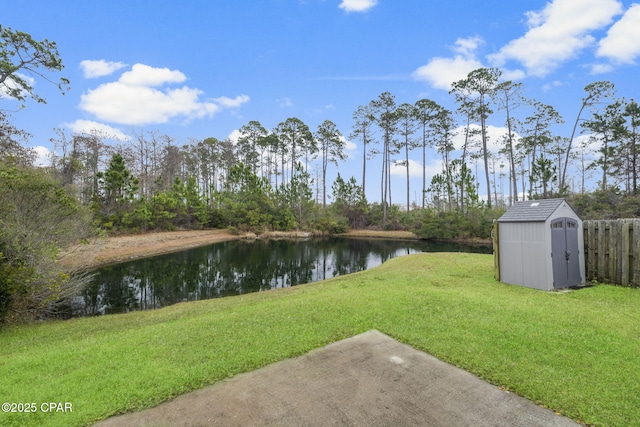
196 69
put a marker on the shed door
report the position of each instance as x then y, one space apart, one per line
564 253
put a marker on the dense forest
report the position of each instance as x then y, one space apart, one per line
265 181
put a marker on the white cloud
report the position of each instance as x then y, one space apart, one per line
234 136
144 75
601 68
139 105
10 84
348 145
442 72
357 5
43 156
99 68
589 144
467 47
513 75
140 97
557 33
622 43
226 102
88 127
415 169
433 167
494 136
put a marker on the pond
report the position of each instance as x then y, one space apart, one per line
237 267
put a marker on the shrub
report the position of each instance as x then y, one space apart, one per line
38 218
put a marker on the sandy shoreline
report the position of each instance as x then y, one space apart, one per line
102 251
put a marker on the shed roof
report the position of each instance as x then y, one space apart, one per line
531 210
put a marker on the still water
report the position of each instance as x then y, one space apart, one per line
238 267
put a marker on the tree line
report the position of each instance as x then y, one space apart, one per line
534 161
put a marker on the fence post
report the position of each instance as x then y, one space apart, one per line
496 252
591 250
635 242
602 272
623 253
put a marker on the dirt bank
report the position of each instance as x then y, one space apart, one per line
110 250
114 249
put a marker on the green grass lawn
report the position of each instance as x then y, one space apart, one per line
577 353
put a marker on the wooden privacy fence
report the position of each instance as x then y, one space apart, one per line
612 251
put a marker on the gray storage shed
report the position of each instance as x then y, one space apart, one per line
539 244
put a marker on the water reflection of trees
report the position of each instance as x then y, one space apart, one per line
233 268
